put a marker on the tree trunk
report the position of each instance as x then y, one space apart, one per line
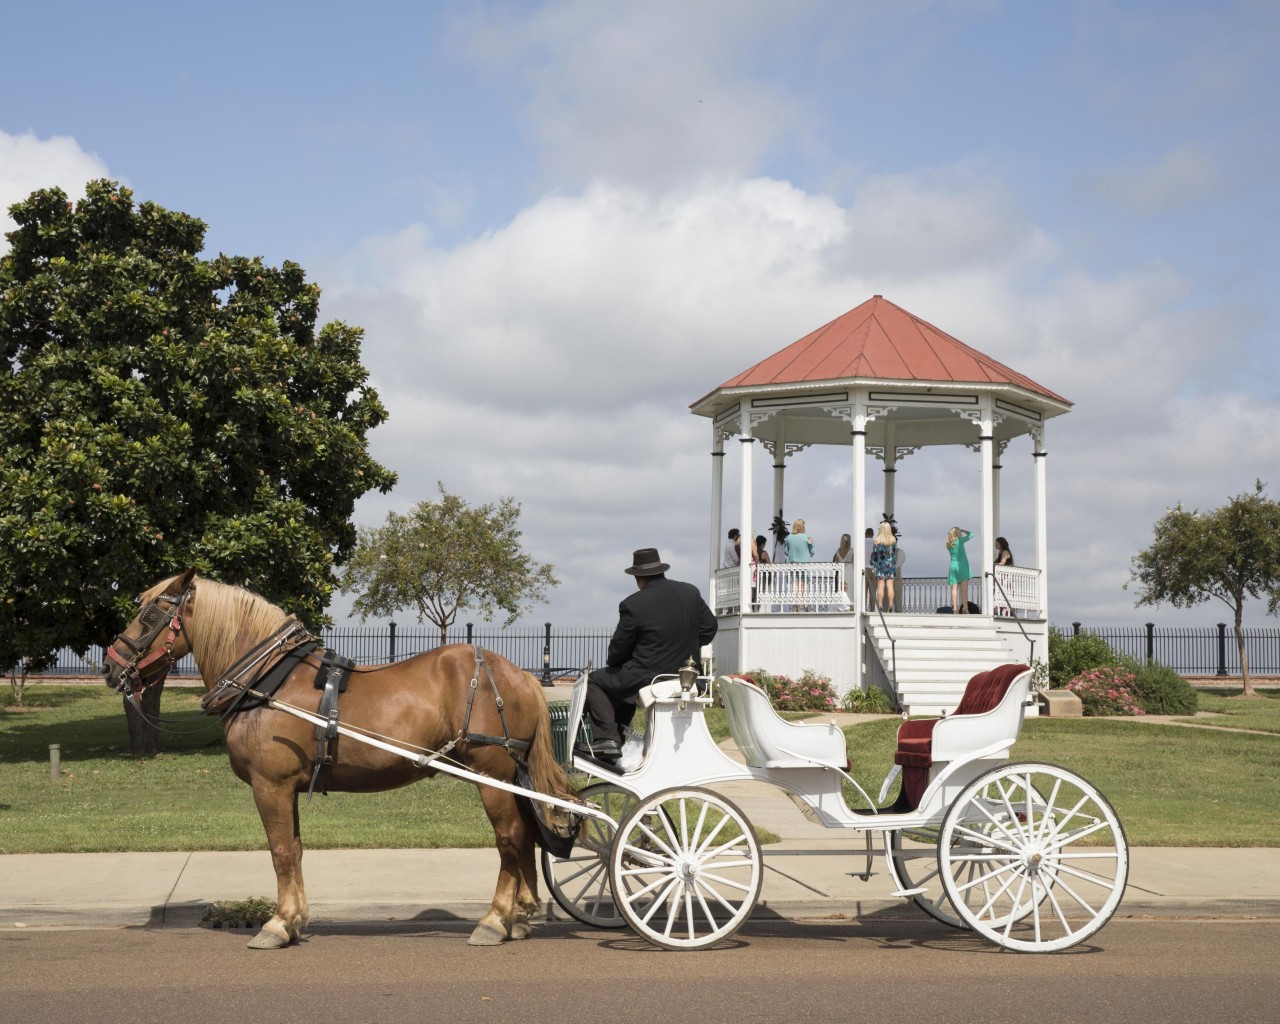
144 737
1244 657
18 683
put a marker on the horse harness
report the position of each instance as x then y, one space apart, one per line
233 694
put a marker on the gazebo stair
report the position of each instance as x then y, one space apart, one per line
935 658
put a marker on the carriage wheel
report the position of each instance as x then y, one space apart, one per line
1033 857
688 867
579 883
913 859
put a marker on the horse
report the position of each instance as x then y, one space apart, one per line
430 702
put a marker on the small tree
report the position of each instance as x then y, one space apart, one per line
1231 553
445 556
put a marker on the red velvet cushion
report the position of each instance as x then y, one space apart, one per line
915 741
987 689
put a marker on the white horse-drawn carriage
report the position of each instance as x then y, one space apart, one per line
1030 856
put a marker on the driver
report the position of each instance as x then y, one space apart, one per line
660 626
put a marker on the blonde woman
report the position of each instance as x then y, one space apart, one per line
799 548
958 573
884 554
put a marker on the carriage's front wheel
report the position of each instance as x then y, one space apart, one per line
686 868
579 883
1033 857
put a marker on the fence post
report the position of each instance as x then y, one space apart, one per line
546 656
1075 629
1222 648
1151 642
391 641
470 634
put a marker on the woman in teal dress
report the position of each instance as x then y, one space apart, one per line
958 573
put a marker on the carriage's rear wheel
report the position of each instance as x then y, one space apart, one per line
913 858
1033 857
579 883
686 867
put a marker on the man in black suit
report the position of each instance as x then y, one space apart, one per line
660 627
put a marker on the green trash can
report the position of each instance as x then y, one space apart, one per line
560 741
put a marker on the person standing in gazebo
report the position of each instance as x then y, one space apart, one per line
799 548
958 573
883 563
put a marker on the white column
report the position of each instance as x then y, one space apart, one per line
857 586
744 525
1040 455
995 494
779 475
717 503
890 467
987 538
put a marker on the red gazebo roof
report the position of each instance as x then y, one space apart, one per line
880 341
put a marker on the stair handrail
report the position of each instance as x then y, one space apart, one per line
1031 660
893 654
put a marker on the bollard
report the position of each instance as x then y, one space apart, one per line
55 761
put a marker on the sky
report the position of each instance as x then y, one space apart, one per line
561 223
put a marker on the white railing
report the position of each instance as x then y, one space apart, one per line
820 587
1022 588
784 588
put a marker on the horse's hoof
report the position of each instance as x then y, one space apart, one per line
521 930
272 936
487 935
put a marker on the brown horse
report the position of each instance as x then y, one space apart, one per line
421 703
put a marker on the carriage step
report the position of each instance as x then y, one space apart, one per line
908 894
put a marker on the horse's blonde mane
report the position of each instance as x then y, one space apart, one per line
227 621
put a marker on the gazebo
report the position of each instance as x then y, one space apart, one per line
885 383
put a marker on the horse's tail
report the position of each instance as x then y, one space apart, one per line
545 772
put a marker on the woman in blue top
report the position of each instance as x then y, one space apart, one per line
799 548
958 573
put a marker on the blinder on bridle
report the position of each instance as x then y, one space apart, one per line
143 669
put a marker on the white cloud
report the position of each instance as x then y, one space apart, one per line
554 360
28 163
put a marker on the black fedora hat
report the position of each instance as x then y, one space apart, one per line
646 562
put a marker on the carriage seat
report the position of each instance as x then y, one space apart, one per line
990 711
767 741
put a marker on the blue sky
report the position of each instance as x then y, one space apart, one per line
562 222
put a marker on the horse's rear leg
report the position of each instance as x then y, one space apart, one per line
278 808
508 917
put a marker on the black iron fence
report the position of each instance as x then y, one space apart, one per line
548 652
1193 651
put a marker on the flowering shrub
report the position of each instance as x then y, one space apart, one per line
811 692
1106 690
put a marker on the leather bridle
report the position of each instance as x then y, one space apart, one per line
146 667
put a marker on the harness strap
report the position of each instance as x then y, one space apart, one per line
330 676
516 748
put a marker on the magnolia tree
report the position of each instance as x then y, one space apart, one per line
1231 553
444 556
161 410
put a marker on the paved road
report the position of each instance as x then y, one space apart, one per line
814 971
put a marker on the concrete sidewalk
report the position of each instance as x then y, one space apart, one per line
804 878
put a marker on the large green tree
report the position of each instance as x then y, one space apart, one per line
445 556
160 409
1231 553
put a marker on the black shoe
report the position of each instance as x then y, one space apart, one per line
603 751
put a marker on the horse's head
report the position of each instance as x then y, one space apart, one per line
152 643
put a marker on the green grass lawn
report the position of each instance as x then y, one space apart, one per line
1171 785
186 798
1261 714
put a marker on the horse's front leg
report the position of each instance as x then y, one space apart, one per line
504 919
278 808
